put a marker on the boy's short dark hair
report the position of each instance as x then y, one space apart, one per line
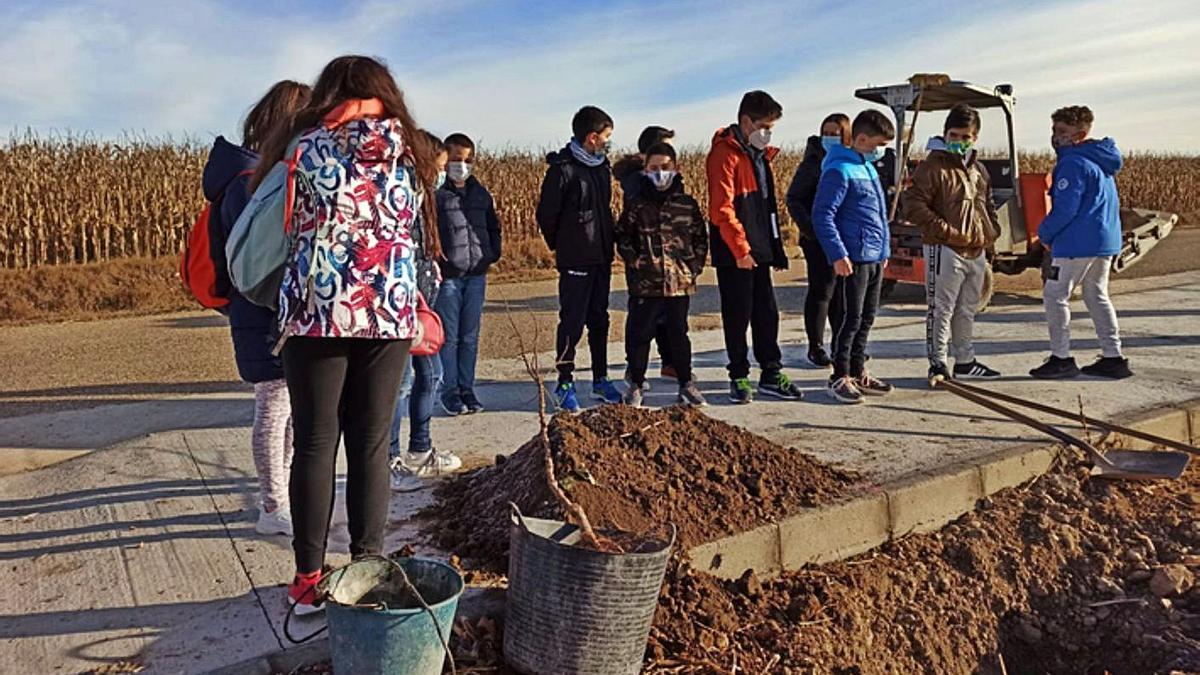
661 148
873 123
460 140
652 136
434 142
758 105
1074 115
962 116
589 120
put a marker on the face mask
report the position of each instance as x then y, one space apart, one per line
1057 142
874 155
662 179
441 180
830 142
760 138
458 171
959 147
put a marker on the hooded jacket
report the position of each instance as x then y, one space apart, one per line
469 228
803 189
1085 215
574 211
850 210
252 327
950 200
743 211
663 239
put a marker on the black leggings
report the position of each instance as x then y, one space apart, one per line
859 297
341 386
821 304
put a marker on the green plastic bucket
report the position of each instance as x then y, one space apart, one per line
378 625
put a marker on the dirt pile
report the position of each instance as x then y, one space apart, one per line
634 470
1066 575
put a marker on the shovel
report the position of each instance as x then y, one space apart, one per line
1116 464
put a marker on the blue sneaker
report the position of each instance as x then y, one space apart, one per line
605 390
565 395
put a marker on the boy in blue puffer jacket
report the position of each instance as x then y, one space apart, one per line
849 217
1082 234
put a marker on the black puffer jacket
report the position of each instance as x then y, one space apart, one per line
469 228
574 212
628 172
428 272
803 189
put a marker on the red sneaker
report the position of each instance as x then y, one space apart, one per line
302 594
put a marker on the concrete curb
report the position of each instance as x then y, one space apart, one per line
920 503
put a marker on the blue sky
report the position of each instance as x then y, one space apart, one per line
512 73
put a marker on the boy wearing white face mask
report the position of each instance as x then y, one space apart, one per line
470 235
663 240
746 244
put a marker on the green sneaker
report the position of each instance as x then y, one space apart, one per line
740 391
779 386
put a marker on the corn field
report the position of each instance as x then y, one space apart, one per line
72 199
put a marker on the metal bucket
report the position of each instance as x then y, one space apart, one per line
574 610
378 625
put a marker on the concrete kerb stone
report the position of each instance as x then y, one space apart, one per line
834 532
925 502
1011 468
729 558
1174 424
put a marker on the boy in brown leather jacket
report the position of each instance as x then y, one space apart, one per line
951 201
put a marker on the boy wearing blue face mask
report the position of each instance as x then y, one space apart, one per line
850 221
662 237
574 214
951 202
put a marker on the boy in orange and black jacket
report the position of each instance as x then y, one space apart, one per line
746 244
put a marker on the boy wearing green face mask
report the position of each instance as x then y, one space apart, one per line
951 201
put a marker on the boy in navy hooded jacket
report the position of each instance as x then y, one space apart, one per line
850 221
1082 234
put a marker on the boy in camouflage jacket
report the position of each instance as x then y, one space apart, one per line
663 238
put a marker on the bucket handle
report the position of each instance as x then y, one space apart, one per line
287 620
429 610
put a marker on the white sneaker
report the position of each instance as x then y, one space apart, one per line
410 468
278 521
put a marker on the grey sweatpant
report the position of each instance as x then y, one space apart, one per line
953 288
271 442
1092 274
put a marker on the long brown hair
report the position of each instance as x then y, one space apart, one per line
843 123
273 110
361 77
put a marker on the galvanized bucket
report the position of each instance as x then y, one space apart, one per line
575 610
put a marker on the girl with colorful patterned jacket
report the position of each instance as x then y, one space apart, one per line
347 305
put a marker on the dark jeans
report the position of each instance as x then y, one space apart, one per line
662 338
460 305
748 301
859 298
583 301
340 387
821 304
648 316
418 388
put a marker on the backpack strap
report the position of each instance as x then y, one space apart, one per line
290 198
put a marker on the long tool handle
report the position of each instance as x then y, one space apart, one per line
1100 424
1063 436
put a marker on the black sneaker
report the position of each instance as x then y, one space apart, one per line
740 391
689 394
780 386
1112 367
819 357
938 371
1056 369
472 403
974 371
452 403
872 386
